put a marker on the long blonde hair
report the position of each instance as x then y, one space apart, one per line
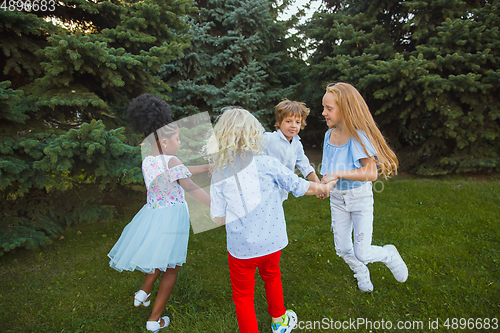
356 115
236 131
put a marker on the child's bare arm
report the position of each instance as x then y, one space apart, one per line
313 177
317 188
189 186
195 191
368 172
198 169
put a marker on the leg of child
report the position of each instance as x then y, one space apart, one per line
242 273
361 207
167 283
363 230
269 270
149 282
342 233
367 253
342 226
142 296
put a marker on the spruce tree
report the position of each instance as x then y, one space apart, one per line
461 90
428 70
64 88
239 55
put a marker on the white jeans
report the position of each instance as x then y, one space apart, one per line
352 210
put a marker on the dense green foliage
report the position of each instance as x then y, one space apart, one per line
239 55
429 70
64 86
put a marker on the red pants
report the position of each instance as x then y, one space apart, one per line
242 272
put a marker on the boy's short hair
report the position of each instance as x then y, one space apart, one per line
287 108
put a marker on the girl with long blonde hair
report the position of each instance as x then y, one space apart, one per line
354 154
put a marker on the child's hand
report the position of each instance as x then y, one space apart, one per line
329 178
327 188
220 221
331 184
323 195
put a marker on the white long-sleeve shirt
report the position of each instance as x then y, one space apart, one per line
289 153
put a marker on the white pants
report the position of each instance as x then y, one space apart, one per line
352 210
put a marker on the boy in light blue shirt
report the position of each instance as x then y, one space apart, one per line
284 143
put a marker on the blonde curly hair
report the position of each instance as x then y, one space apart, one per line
236 131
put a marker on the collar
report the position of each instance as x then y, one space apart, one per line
282 136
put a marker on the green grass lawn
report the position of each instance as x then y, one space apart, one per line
448 232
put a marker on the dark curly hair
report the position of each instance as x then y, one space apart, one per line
147 113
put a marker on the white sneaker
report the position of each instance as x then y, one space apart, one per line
364 282
288 324
155 325
396 264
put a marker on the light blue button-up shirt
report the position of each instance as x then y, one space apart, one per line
247 194
289 153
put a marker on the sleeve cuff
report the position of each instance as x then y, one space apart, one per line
301 188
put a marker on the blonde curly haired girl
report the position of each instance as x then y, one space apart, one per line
236 131
245 196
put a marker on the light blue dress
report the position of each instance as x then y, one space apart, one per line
157 236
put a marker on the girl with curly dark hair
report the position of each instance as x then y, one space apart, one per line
155 241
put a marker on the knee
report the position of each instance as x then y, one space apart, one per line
352 253
362 248
344 252
363 257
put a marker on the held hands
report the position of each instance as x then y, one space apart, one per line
330 180
330 184
323 195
